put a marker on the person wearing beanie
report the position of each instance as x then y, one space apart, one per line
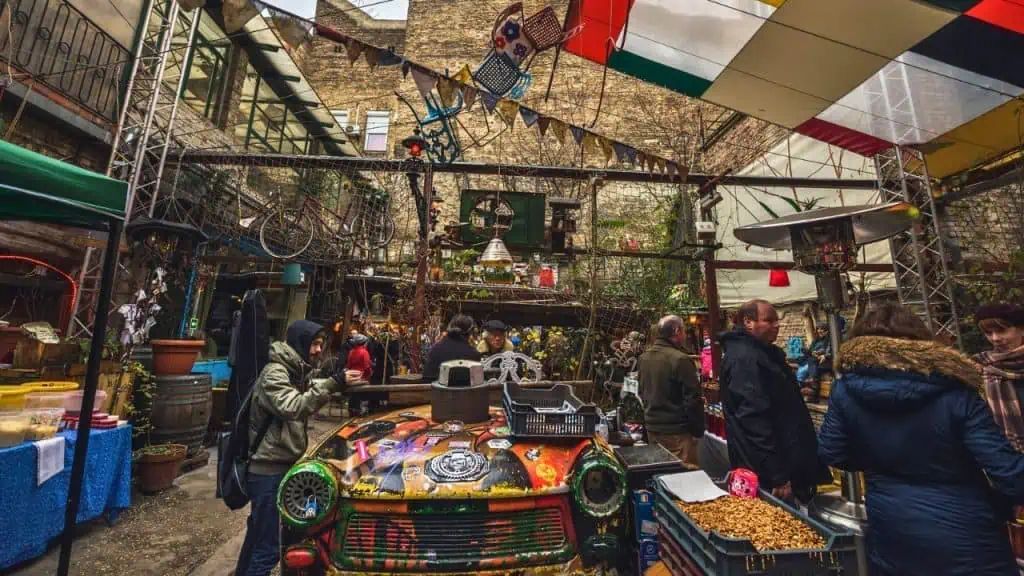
1003 367
287 393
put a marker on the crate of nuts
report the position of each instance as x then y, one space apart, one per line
733 536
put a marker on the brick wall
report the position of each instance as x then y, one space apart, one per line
990 225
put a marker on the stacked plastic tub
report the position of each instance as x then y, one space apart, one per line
687 550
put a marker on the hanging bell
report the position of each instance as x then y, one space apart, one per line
778 278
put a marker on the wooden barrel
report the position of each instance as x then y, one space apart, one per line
181 410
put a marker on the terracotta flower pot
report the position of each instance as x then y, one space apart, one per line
175 357
158 467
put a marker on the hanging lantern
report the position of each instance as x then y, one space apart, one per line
778 278
496 254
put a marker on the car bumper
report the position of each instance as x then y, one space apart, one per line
572 568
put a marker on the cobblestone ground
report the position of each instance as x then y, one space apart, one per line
181 532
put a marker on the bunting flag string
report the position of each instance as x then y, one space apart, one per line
427 80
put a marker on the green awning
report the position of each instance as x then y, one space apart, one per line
43 189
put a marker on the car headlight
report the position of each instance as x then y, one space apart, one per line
599 487
307 493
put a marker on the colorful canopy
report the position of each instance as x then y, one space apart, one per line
860 74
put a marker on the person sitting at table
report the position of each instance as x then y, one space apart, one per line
494 339
287 392
454 346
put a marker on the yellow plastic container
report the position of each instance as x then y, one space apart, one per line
12 398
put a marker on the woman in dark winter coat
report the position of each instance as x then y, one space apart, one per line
941 476
454 346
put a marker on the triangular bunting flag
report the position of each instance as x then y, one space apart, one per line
355 49
606 147
425 81
508 109
464 76
559 127
529 116
446 88
670 167
631 154
490 101
389 58
405 69
620 151
641 159
372 56
469 97
542 124
577 134
660 162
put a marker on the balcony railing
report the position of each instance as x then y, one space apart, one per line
65 50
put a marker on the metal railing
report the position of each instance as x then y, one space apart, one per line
65 50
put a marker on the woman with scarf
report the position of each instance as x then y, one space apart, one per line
1003 367
941 477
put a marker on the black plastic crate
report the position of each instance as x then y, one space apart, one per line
548 413
718 555
643 463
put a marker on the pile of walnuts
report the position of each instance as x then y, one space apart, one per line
767 527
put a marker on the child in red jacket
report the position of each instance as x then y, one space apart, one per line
359 357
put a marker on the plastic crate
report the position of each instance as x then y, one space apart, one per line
548 413
678 562
718 555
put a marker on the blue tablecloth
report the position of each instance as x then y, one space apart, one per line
31 516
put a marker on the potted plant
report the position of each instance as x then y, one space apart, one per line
159 466
170 357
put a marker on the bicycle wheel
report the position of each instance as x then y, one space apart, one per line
376 235
286 233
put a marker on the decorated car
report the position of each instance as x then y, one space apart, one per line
403 493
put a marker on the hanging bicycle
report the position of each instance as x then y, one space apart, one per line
287 232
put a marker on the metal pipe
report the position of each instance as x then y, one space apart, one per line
92 376
355 164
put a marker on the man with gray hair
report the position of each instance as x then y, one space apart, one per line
673 407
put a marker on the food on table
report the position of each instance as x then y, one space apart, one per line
36 432
12 431
767 527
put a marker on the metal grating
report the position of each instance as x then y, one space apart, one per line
923 279
439 540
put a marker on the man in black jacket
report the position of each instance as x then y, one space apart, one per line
454 346
673 407
768 425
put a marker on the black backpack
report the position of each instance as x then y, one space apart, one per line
234 451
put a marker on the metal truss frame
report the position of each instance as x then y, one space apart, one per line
923 279
144 133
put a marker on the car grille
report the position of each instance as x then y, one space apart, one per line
426 541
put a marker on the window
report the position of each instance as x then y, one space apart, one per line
206 66
377 131
341 117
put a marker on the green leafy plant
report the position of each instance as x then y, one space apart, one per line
139 406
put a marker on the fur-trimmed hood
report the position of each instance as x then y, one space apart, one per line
897 372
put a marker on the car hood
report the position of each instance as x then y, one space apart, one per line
406 455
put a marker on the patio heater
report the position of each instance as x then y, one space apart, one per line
824 244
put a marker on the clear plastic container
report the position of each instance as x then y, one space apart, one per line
45 400
73 401
43 424
13 427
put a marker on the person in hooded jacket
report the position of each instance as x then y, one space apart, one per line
454 346
766 420
941 476
288 393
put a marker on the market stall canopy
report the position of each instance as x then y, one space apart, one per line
942 75
43 189
798 156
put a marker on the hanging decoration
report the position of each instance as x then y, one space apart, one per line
515 40
778 278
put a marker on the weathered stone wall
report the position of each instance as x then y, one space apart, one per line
990 225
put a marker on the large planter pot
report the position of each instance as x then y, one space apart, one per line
158 467
175 357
